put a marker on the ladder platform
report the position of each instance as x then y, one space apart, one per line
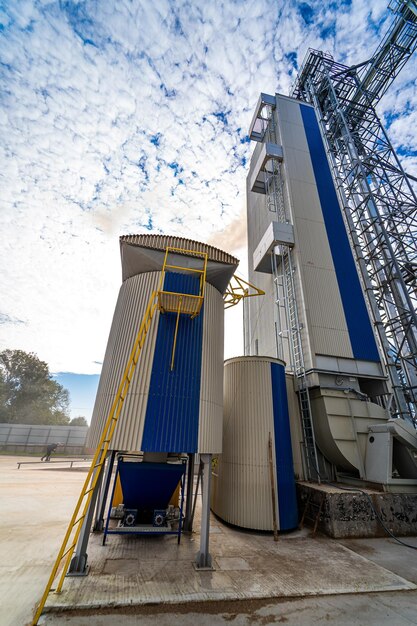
187 304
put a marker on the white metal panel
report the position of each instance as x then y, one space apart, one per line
259 218
242 488
326 314
295 427
316 279
314 249
260 311
130 308
306 200
211 390
341 423
268 151
286 110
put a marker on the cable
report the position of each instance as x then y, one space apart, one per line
377 515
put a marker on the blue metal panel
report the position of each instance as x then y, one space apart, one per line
148 485
172 414
287 497
361 335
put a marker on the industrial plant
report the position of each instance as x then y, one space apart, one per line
325 393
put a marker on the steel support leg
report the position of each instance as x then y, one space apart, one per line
188 518
101 504
78 566
203 560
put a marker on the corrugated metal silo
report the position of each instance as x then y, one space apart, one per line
166 410
255 407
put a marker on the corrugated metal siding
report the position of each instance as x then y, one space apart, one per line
326 330
242 489
130 308
326 314
295 426
208 397
161 242
287 497
172 414
361 334
211 392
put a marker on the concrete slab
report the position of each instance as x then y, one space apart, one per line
148 570
154 574
394 609
36 505
388 553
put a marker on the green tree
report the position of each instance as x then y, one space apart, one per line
78 421
28 393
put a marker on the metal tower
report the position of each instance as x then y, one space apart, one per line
378 200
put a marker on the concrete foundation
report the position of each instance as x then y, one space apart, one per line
349 513
136 580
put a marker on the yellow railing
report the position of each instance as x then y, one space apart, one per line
238 289
179 303
74 528
190 303
182 303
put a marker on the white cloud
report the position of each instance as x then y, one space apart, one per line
122 117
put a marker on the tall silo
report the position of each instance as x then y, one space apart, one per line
166 410
174 402
253 482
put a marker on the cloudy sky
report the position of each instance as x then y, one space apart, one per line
132 116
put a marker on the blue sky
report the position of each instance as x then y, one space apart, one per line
132 116
83 389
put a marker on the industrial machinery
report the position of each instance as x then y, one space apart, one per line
333 245
147 490
333 242
160 395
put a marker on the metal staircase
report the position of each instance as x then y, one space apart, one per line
164 301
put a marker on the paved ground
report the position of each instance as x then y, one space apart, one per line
394 609
137 580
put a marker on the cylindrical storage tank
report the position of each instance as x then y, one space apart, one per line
166 410
255 410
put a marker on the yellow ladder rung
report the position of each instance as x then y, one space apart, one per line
103 445
98 461
67 551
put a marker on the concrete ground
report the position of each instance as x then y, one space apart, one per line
136 580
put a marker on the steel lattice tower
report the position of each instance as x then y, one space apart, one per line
377 196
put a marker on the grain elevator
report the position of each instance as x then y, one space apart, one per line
316 316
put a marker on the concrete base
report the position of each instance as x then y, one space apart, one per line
155 574
349 513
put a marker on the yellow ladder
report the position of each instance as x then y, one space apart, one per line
74 528
164 301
